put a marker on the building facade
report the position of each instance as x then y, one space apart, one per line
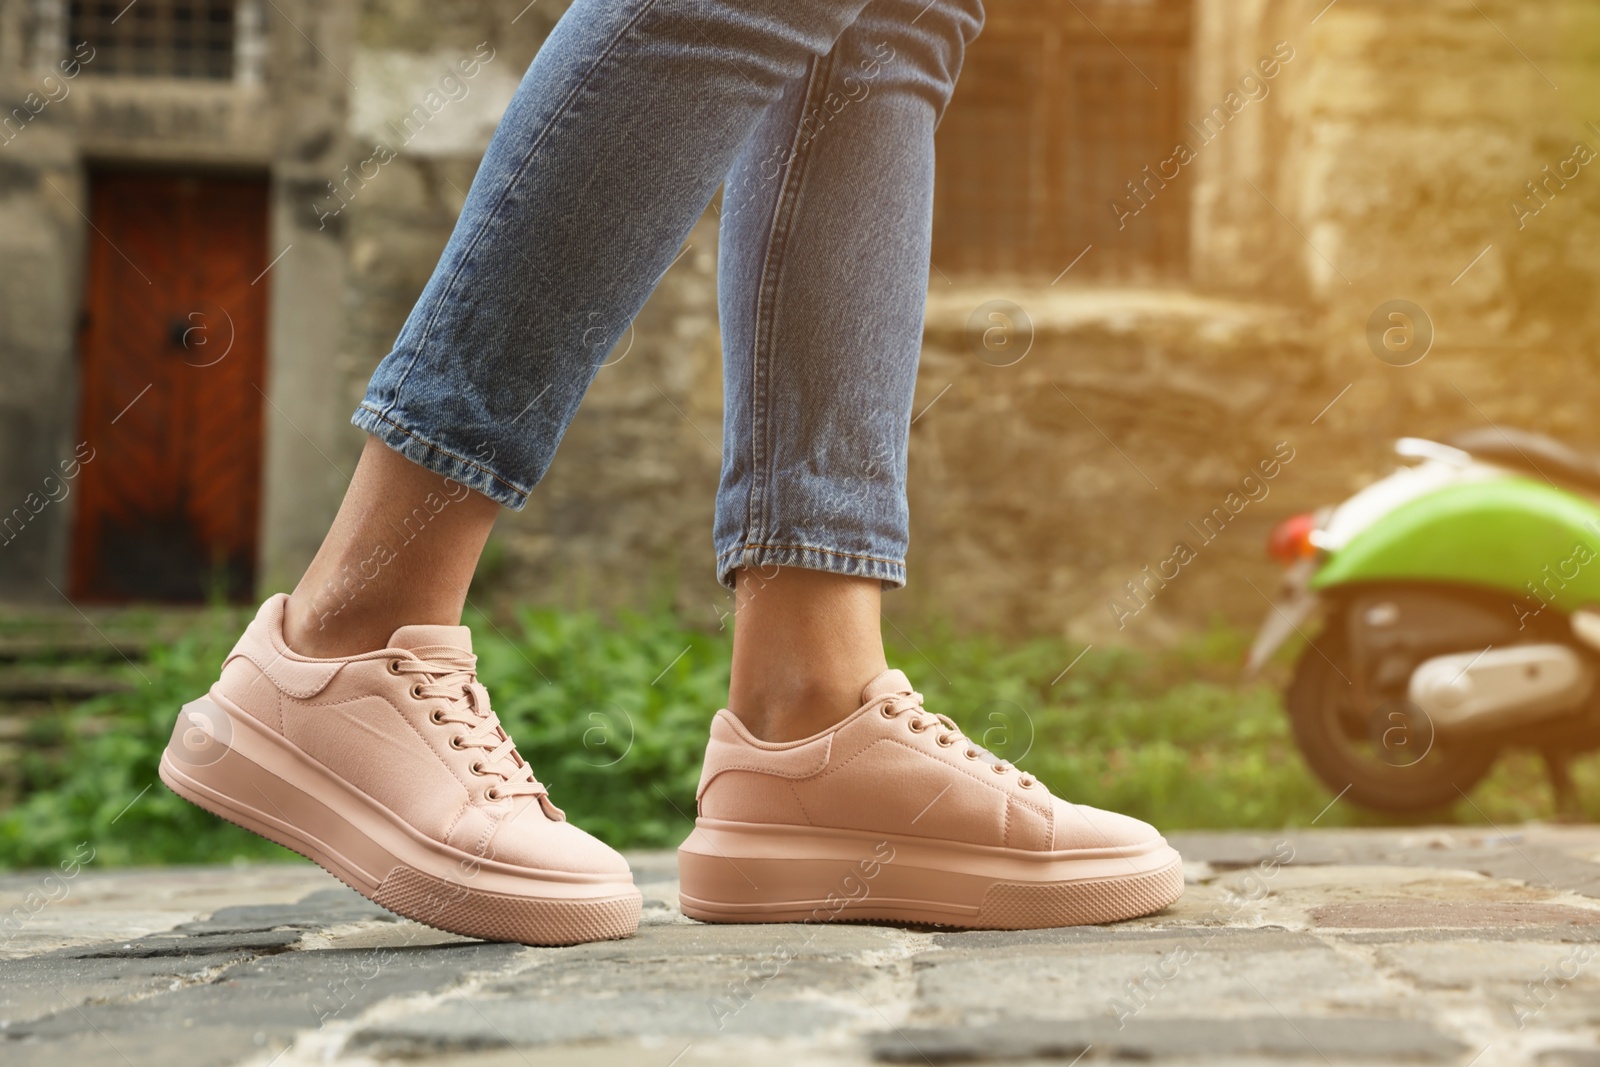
1161 230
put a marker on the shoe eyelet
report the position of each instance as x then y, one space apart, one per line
916 726
455 742
416 691
1026 783
972 753
888 712
394 667
491 793
477 767
999 768
436 716
945 741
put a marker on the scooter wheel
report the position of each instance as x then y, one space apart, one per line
1380 754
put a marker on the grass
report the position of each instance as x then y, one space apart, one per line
612 713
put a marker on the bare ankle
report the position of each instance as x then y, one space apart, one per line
805 642
794 708
327 627
401 552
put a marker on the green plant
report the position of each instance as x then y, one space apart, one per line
612 715
98 783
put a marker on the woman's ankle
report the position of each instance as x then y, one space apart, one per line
320 624
805 642
391 559
791 708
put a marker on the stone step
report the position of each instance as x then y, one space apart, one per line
31 684
101 634
57 646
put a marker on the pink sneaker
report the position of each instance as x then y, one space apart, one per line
390 770
894 815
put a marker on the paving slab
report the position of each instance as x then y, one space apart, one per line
1427 946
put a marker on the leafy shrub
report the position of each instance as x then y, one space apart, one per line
612 715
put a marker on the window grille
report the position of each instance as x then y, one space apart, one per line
1060 105
157 38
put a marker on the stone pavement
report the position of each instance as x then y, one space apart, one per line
1450 946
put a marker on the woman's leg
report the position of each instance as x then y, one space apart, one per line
828 789
380 755
826 229
804 643
621 131
360 587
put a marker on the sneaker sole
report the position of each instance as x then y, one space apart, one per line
732 872
222 761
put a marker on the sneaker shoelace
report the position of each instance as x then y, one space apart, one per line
451 675
899 704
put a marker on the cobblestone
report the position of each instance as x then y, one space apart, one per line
1321 947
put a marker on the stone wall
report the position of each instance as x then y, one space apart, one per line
1380 162
1378 165
38 309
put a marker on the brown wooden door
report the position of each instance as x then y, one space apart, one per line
172 346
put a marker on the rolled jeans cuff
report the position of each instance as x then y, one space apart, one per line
766 558
440 458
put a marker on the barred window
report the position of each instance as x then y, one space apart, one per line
1061 105
157 38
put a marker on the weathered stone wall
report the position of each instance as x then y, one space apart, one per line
1040 488
1380 161
38 308
1375 163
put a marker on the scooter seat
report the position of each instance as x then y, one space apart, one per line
1532 453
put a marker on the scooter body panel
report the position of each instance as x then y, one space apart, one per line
1524 537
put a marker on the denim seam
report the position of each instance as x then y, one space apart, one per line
757 511
510 186
424 442
746 546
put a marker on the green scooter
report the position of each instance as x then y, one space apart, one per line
1459 600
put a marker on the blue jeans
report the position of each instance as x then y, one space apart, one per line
819 117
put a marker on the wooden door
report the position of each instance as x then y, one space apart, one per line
173 344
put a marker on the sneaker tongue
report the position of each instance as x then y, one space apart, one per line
890 681
414 638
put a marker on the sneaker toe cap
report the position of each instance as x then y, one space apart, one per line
1080 826
531 840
